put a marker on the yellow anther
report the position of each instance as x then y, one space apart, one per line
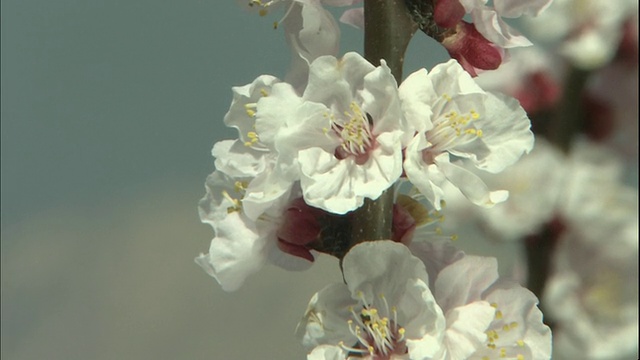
263 12
401 331
275 25
239 186
506 327
520 343
454 237
264 92
485 358
438 231
479 133
520 357
498 314
474 114
251 113
513 325
503 352
446 97
494 305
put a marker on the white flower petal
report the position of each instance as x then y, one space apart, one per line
236 159
464 281
327 352
353 17
466 328
236 252
471 185
493 28
517 8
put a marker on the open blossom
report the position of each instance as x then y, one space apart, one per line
270 178
454 117
387 310
241 246
344 132
587 31
487 318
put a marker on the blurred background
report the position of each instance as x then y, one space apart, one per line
109 112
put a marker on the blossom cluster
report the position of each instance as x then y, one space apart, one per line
350 135
338 132
391 306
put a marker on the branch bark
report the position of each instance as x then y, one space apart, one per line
388 30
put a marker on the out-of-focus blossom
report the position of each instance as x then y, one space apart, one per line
611 100
591 296
488 20
534 184
584 188
345 131
530 75
386 309
593 194
587 32
481 45
454 117
487 318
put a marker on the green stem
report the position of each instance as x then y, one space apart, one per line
388 30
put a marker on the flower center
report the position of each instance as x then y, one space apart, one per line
239 189
376 329
355 134
453 129
251 138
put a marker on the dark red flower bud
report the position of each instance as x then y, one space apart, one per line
472 50
448 13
